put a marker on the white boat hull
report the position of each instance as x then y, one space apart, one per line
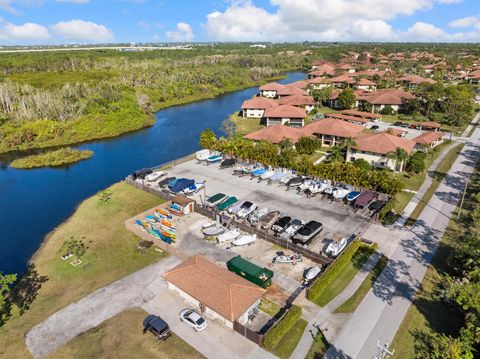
245 240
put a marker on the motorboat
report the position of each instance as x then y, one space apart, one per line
216 199
268 220
285 179
365 199
340 193
242 170
213 230
245 240
208 224
141 174
306 234
194 188
202 155
295 182
282 223
329 190
227 203
336 247
247 208
266 175
277 177
377 205
229 162
228 236
318 187
233 209
180 184
285 258
306 184
312 273
256 216
166 181
293 227
353 195
214 159
258 172
154 176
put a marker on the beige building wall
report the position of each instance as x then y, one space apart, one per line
375 159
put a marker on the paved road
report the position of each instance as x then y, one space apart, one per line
95 308
383 309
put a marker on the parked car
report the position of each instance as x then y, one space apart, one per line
404 124
141 174
281 224
157 326
375 127
306 234
398 123
193 320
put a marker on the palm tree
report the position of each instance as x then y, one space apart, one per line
336 155
400 156
285 145
348 143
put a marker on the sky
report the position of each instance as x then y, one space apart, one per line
33 22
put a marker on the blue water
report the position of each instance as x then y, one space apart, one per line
34 202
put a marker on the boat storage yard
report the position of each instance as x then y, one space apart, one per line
338 218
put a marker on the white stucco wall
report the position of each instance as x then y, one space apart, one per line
253 113
269 94
375 159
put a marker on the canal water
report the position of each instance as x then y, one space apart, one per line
34 202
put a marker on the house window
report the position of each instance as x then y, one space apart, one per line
352 159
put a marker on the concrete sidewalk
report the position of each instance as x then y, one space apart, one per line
322 314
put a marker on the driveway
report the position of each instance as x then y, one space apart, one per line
92 310
217 341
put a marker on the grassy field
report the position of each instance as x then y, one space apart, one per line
56 158
319 347
245 126
110 255
287 345
439 175
269 307
346 276
352 303
122 337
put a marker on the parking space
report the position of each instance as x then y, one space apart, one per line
382 126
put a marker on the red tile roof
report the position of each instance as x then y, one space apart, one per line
395 131
361 114
383 143
365 82
291 90
333 127
415 79
272 86
347 117
342 79
430 124
384 96
259 103
319 80
217 288
285 111
428 138
302 84
297 100
276 133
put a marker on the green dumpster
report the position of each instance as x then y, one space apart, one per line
251 272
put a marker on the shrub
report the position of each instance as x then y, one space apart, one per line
417 162
324 281
387 110
276 333
346 99
362 164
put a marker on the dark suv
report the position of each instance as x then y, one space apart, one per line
157 326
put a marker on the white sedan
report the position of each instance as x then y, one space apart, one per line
193 319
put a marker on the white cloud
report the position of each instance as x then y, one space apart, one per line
295 20
465 22
182 33
28 31
82 30
422 31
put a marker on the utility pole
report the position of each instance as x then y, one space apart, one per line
383 352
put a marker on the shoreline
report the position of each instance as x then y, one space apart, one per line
19 153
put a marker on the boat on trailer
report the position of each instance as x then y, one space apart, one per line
336 247
214 159
229 235
353 195
245 240
287 259
312 273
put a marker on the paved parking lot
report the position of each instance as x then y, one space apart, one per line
411 132
337 218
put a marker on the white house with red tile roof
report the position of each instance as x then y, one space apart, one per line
412 81
285 114
377 148
332 131
214 290
301 84
276 134
395 98
302 101
289 90
255 107
271 89
365 84
430 139
318 83
322 69
342 81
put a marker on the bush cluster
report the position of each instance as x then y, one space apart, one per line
284 325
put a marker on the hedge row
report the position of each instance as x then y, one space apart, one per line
276 333
322 282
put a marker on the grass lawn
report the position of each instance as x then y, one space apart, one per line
352 303
269 307
289 342
474 127
319 347
439 174
346 276
104 341
245 126
110 255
